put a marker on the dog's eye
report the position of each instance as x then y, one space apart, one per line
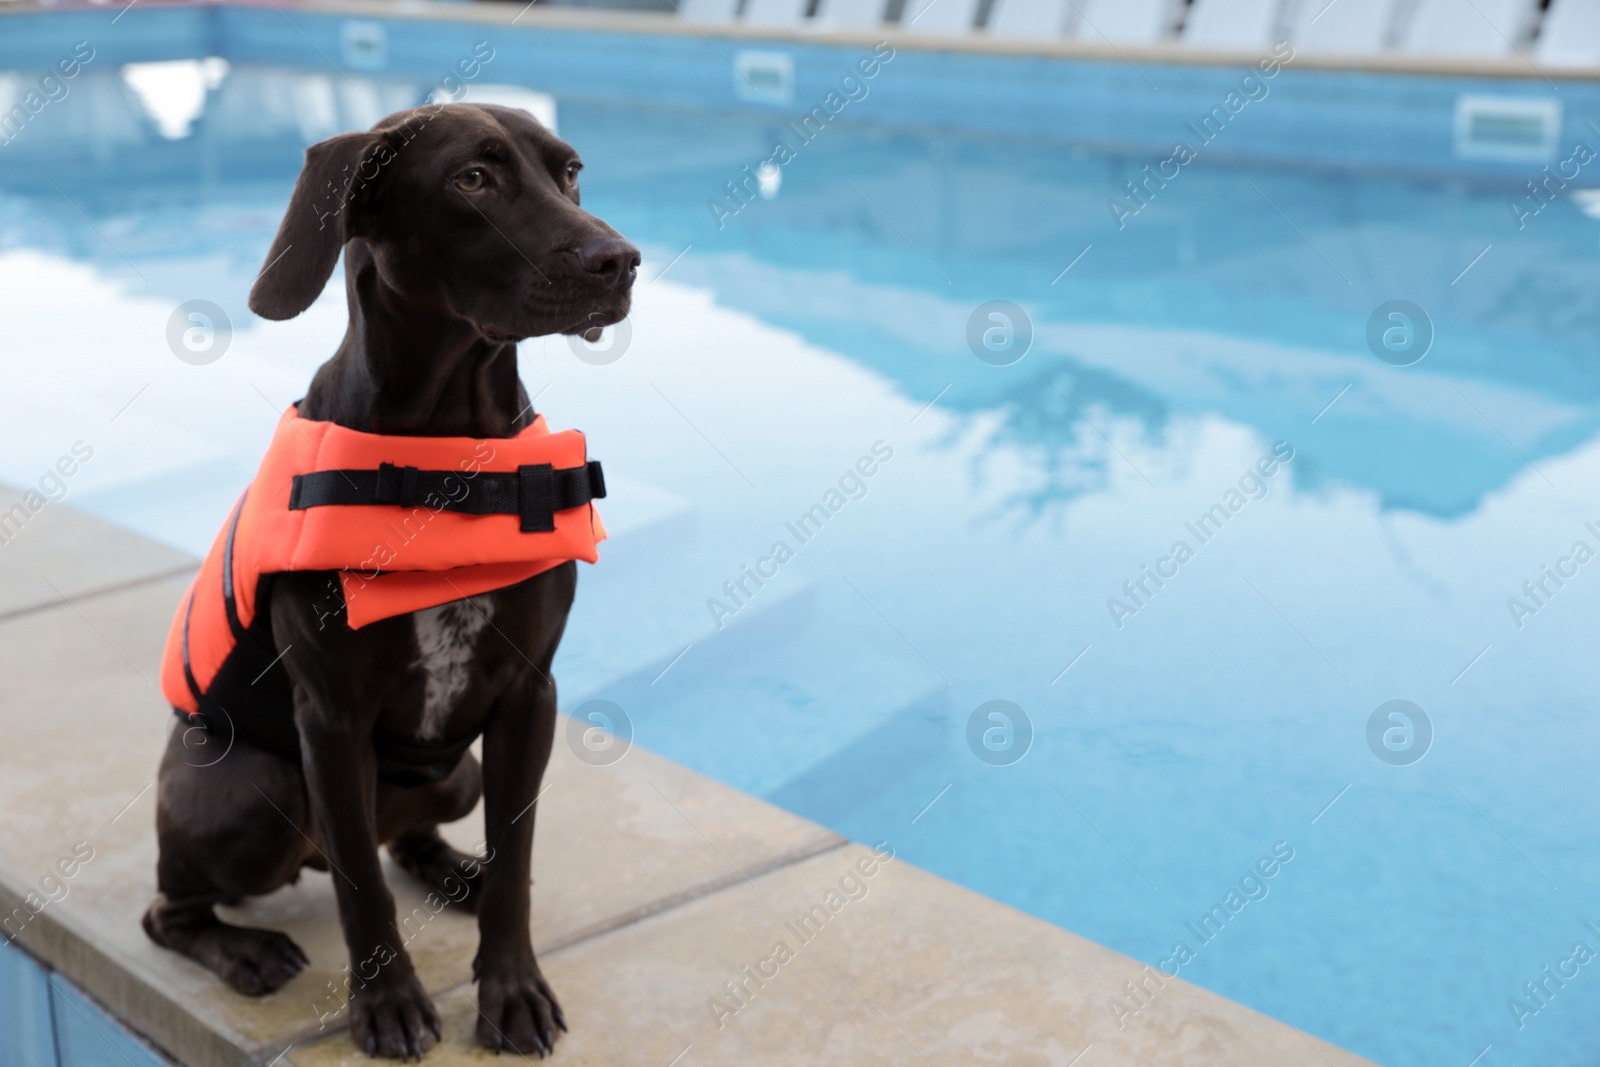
572 171
472 180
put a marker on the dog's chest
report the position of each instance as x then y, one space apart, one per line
447 639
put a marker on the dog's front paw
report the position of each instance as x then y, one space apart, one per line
393 1017
518 1011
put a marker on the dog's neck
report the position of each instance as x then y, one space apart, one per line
414 369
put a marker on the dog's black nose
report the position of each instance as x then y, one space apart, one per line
613 258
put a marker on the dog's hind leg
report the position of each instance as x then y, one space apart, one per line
408 820
251 960
222 840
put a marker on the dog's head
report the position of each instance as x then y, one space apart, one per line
471 209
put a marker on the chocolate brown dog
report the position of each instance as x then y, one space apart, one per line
462 234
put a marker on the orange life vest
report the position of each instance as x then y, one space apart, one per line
407 523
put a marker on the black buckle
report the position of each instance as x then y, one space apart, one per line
536 497
396 485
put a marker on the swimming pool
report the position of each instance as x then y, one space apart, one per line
1198 760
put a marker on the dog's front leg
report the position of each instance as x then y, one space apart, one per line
517 1009
390 1013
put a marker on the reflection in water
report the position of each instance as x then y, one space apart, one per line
886 271
1171 746
1063 416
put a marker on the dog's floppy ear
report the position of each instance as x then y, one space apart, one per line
332 201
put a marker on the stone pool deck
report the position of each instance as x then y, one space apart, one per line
654 886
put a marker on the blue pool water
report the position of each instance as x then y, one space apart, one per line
1179 734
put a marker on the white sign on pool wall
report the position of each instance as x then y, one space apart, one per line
541 106
764 77
1513 129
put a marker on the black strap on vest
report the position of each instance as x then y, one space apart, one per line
535 492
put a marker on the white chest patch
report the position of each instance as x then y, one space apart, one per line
446 636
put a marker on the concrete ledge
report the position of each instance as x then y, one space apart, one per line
974 43
654 889
912 970
58 552
1378 114
977 42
